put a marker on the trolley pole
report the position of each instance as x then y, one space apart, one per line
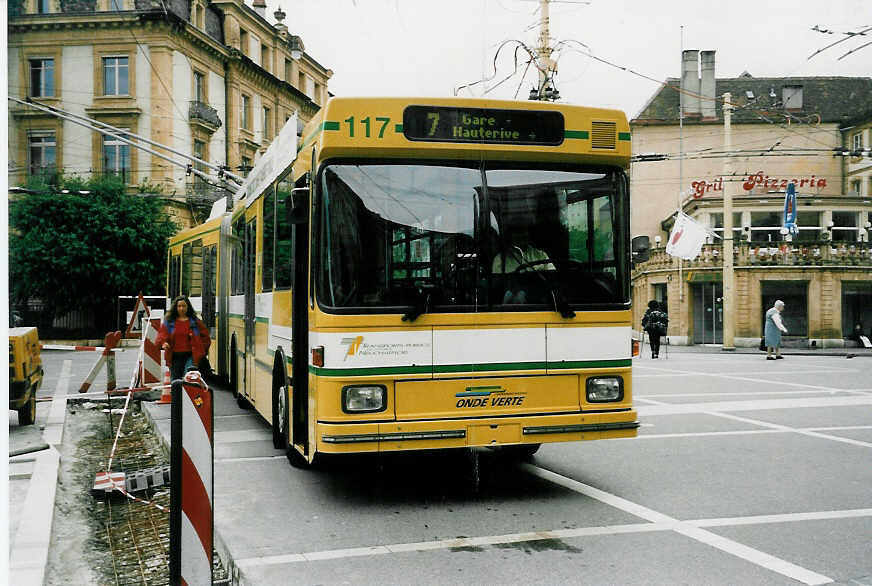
729 277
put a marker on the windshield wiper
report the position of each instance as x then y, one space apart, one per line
420 303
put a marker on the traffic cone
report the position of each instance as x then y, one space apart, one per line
166 396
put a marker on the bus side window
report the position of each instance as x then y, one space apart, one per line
236 258
284 262
210 263
268 235
174 284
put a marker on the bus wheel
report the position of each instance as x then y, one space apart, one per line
27 414
280 416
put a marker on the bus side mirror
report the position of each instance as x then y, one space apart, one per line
641 249
297 206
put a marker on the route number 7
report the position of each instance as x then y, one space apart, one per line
433 117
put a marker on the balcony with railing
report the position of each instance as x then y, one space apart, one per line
203 113
785 254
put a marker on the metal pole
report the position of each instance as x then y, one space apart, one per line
729 277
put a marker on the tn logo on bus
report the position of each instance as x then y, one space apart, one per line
353 345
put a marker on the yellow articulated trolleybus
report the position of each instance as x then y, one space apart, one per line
425 273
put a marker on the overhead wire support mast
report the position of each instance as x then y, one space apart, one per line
233 180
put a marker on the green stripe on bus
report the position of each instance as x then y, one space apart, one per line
326 125
454 368
590 364
583 134
623 136
489 367
369 371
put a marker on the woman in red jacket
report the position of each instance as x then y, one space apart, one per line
184 336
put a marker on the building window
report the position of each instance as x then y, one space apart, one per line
301 82
245 167
116 158
766 226
264 57
661 294
809 224
717 224
42 78
795 297
243 42
41 149
199 153
43 6
199 87
845 226
267 135
244 109
856 309
289 71
791 95
855 187
115 76
317 93
116 5
857 141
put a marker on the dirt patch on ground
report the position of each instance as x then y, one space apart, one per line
112 541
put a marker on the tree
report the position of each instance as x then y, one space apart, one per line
83 248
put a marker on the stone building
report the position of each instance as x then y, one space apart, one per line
211 78
783 130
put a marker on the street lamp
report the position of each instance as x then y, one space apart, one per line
729 324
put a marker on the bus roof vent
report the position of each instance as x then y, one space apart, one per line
602 135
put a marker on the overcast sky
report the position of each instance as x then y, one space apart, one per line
430 47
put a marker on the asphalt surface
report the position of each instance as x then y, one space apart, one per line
745 471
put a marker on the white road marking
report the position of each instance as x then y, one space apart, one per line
636 395
753 405
776 426
729 546
782 518
657 522
780 429
732 373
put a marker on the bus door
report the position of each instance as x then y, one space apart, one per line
249 270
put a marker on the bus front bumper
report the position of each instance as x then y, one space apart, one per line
460 433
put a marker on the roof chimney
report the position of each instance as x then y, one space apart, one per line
260 7
707 84
690 83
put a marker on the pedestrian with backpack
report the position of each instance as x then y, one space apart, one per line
655 322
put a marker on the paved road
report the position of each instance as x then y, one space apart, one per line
745 472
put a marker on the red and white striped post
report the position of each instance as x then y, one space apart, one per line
191 495
107 358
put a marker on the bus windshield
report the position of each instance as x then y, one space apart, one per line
478 238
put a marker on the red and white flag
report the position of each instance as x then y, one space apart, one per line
686 238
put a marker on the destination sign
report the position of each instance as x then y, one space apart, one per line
483 125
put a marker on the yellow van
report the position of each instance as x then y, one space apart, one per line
25 372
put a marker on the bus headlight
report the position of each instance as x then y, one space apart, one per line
605 389
364 398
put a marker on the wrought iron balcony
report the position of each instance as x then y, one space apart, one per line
203 112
